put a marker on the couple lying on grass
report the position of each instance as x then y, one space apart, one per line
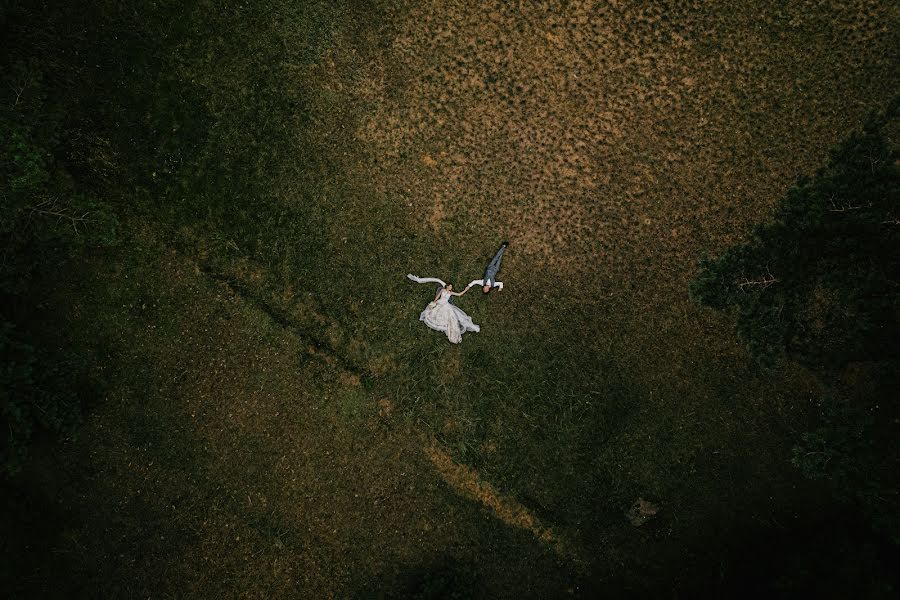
441 315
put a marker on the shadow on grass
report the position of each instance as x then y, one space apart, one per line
443 577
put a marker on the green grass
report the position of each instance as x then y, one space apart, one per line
255 231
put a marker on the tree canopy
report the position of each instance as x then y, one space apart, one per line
819 281
818 284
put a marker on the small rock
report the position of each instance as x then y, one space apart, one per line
641 512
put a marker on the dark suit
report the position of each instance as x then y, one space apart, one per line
490 274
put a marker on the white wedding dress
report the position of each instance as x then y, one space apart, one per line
443 316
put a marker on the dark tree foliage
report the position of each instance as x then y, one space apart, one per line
818 284
854 449
51 162
36 393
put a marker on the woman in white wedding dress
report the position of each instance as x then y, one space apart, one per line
440 315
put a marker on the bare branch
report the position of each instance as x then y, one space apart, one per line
19 89
872 161
843 207
51 208
761 282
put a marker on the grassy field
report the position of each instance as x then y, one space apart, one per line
275 422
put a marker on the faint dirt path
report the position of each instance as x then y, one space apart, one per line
466 482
